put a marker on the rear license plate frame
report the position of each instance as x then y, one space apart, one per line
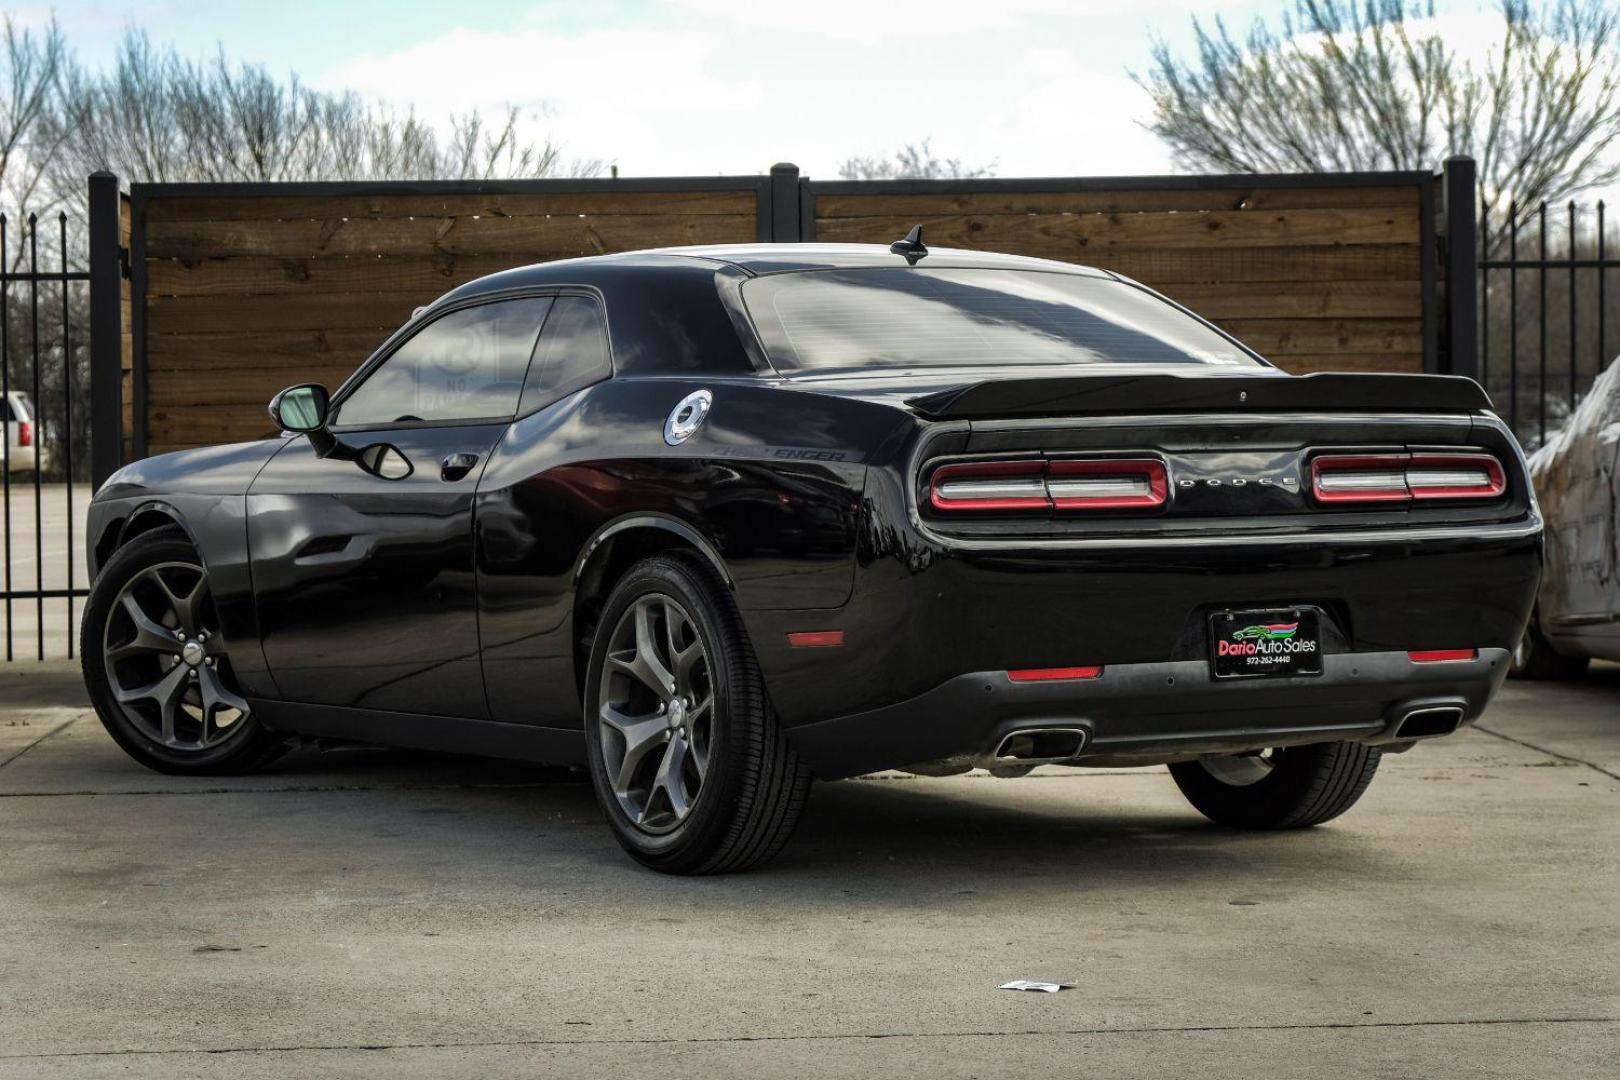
1265 643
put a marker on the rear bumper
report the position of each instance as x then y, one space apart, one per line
1154 712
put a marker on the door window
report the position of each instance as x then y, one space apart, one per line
572 353
467 365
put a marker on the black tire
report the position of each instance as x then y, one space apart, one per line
245 748
754 787
1535 658
1305 785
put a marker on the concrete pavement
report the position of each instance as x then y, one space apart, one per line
365 913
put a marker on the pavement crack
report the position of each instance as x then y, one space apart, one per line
63 726
1164 1029
1550 753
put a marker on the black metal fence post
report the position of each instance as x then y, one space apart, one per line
106 330
1460 351
784 202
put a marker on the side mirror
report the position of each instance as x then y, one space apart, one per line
300 408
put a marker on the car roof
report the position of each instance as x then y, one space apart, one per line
750 260
777 258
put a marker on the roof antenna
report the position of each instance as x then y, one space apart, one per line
911 247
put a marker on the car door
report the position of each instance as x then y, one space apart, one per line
362 555
531 524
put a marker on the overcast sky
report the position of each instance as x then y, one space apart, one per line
1037 87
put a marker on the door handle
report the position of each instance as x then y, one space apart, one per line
456 466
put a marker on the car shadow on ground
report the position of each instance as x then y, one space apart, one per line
871 837
885 841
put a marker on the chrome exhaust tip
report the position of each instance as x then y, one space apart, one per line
1429 721
1037 746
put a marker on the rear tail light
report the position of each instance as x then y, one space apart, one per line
1370 478
1038 484
1107 484
990 485
25 433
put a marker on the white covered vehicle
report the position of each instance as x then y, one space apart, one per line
1577 479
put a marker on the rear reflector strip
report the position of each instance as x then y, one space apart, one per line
1440 656
1054 674
815 639
1040 485
1370 478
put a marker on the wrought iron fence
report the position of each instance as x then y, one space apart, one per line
1546 327
43 350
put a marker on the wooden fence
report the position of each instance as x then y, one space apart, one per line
237 290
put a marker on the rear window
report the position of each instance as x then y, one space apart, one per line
919 318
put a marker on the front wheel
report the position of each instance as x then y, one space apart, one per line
1287 788
158 670
688 761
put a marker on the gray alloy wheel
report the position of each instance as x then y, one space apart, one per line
166 664
688 760
657 713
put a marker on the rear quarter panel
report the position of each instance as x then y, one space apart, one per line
772 483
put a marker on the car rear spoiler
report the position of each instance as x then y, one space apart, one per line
1095 394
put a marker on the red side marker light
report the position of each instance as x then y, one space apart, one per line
1053 674
815 639
1440 656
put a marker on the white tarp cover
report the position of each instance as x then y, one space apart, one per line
1577 478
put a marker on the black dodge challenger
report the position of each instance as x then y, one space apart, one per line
718 521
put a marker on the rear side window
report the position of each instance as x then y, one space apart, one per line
920 318
467 365
572 354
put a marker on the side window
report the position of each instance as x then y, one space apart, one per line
466 365
572 354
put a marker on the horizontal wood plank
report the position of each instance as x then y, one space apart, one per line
832 207
312 310
193 426
321 207
1162 267
1409 362
1074 237
1303 299
1274 338
535 239
282 350
237 385
429 276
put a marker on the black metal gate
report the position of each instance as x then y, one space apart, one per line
43 353
1545 325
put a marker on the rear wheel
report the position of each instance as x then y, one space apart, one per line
687 759
1535 658
158 670
1286 788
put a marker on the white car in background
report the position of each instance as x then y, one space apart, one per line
1577 479
23 433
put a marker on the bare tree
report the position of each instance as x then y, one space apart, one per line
913 161
30 65
156 116
1348 85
